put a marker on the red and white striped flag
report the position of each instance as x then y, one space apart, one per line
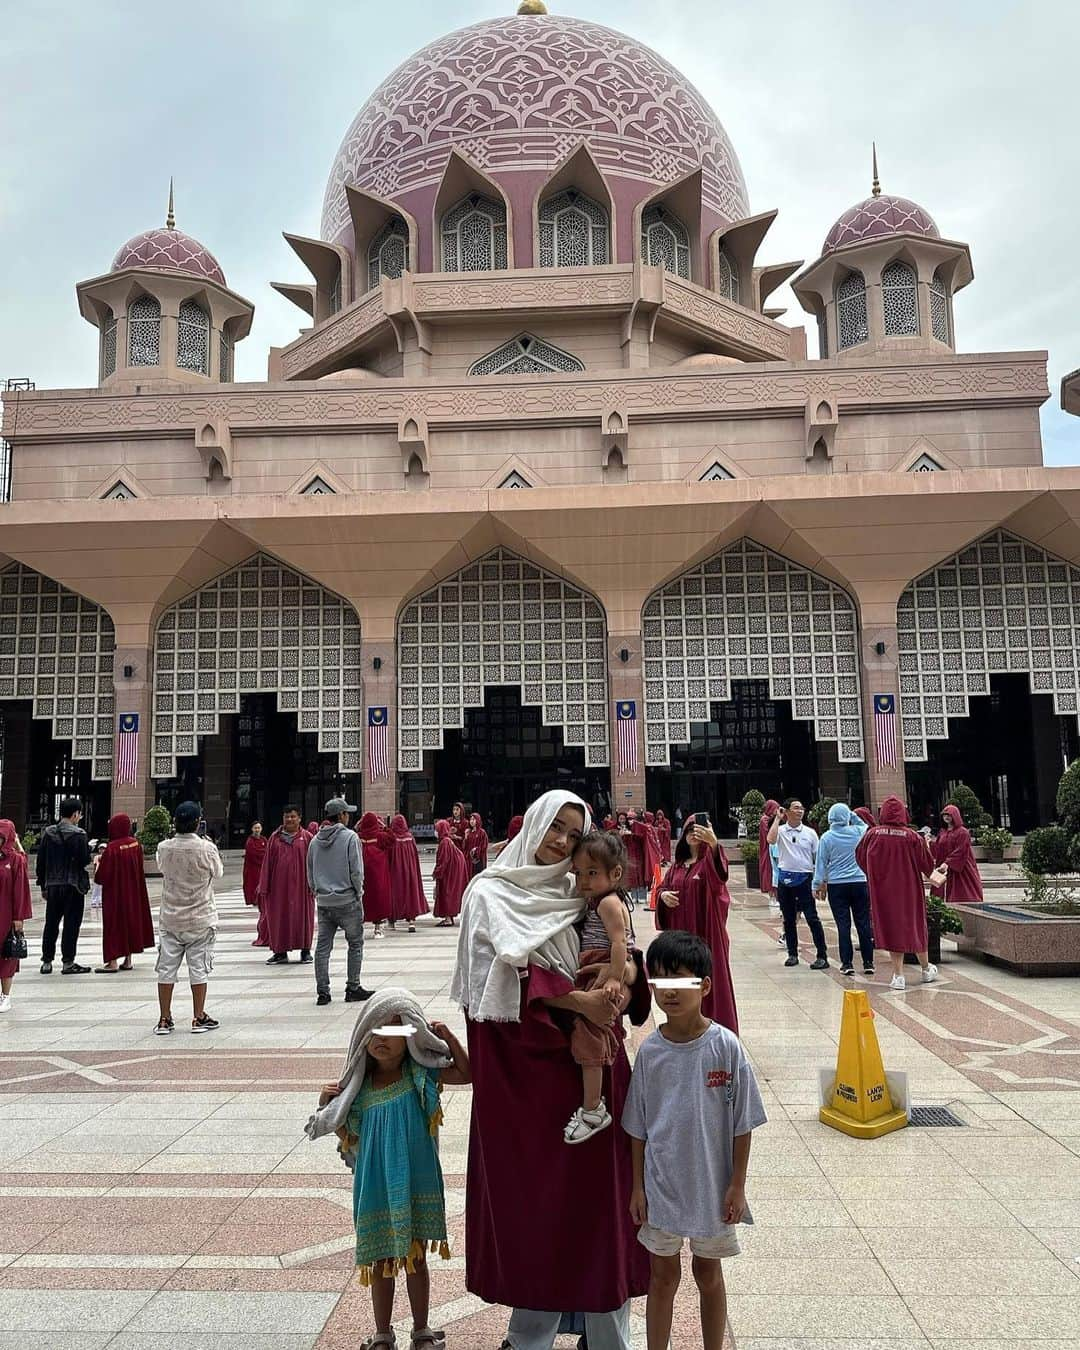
127 750
378 742
626 717
885 730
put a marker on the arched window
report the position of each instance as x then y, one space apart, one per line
335 292
144 332
193 338
526 355
727 276
823 337
664 241
108 346
388 252
851 325
225 355
573 231
474 236
939 308
900 298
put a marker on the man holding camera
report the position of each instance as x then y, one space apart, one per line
796 854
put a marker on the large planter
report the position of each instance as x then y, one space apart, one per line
753 874
1023 939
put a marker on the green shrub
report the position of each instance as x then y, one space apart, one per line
156 826
969 806
751 809
994 840
818 815
1074 853
947 919
30 840
749 850
1068 798
1045 851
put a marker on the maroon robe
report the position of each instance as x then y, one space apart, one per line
703 909
459 827
764 857
963 884
865 815
407 899
476 845
645 831
126 923
546 1226
284 897
895 859
254 852
451 874
375 845
635 854
14 891
663 834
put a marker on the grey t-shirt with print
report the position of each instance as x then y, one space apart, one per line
688 1102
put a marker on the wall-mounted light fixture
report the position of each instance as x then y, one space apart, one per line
129 671
624 654
879 647
376 663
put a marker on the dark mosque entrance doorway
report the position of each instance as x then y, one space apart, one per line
505 757
39 770
750 741
1011 750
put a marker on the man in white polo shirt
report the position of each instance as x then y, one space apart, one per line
796 853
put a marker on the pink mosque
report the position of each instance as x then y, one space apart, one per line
545 491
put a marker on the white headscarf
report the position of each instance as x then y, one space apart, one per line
515 912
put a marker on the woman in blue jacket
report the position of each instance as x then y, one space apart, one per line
837 874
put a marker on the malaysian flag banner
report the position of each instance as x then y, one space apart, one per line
626 717
885 730
127 750
377 744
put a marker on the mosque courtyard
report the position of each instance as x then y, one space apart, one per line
159 1194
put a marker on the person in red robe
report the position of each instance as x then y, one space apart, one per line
459 825
694 897
313 828
768 885
530 1242
254 853
865 815
127 925
514 828
645 832
896 859
476 845
283 892
407 899
635 852
451 876
963 884
375 845
663 833
14 902
609 824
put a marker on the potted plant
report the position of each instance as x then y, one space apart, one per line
939 919
995 841
30 839
749 850
751 809
1046 851
156 826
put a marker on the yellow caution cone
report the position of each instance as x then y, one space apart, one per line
861 1104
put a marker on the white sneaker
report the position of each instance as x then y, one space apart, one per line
929 974
5 1002
898 982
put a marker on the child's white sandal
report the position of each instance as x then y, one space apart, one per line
583 1124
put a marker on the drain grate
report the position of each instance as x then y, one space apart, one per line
929 1116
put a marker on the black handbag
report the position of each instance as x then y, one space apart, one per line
15 948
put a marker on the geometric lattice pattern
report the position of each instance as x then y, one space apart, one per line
900 298
474 236
939 309
748 613
108 346
144 331
388 252
727 276
665 242
851 322
1000 606
193 338
260 628
501 621
56 648
526 355
876 217
171 251
573 231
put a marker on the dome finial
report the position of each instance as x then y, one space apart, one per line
170 219
875 187
532 7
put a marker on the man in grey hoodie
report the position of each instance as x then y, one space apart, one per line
335 873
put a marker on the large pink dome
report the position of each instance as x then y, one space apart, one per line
171 250
878 216
520 93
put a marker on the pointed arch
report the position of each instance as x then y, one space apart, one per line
472 220
260 628
900 298
852 324
578 173
193 337
144 331
501 620
665 241
748 613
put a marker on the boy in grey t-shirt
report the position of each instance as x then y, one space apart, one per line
692 1104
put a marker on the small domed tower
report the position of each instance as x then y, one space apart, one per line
164 311
885 280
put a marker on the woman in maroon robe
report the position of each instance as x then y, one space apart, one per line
530 1241
313 828
451 876
407 899
663 833
14 902
865 815
764 857
635 851
459 825
895 859
283 891
126 922
694 898
963 884
476 844
254 853
645 831
375 845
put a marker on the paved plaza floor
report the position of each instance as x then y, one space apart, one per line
159 1194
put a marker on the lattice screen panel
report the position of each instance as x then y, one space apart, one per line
748 613
501 621
261 628
1000 606
56 648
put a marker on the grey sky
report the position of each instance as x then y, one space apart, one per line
974 106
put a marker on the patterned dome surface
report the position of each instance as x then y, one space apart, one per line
878 216
521 93
172 250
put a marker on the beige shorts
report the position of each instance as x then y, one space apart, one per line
197 948
658 1242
